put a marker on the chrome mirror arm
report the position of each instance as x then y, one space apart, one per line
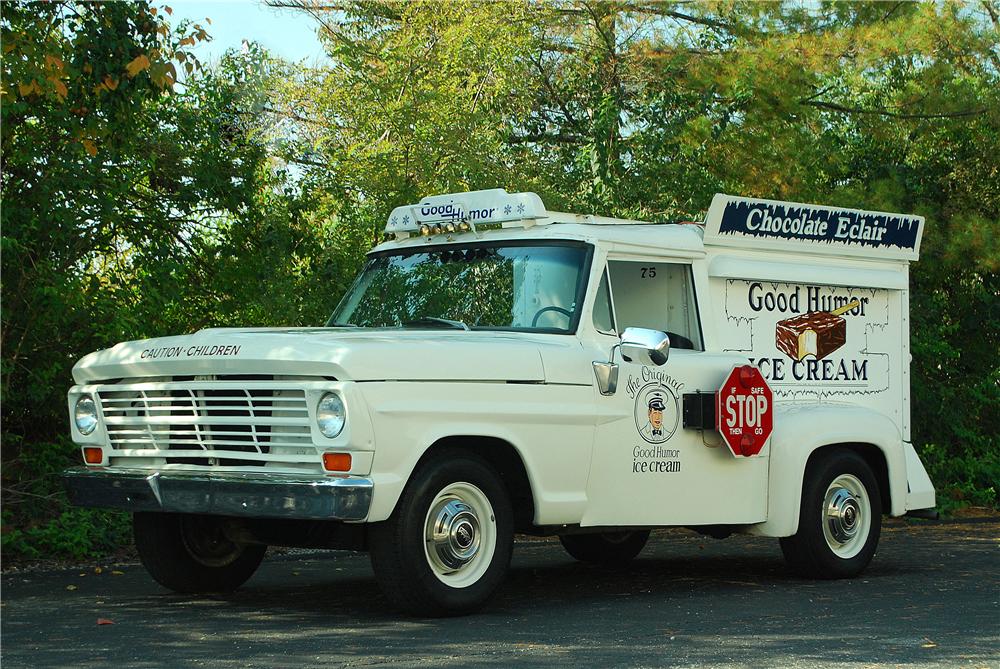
640 345
607 373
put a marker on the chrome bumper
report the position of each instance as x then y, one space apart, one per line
224 494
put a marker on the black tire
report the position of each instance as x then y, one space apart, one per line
832 545
609 548
189 553
409 569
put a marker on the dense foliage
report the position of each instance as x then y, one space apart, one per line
134 205
646 109
146 194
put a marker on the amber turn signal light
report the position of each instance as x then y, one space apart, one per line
337 462
93 455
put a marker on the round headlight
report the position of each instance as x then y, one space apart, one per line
85 414
330 415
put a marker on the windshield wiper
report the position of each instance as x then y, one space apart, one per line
434 322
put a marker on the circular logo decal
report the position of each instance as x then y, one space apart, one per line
657 412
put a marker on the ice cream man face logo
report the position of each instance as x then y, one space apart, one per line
817 333
657 412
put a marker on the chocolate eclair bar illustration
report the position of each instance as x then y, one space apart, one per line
817 333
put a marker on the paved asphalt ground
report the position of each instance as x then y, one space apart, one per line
929 599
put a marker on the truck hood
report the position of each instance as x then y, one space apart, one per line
344 354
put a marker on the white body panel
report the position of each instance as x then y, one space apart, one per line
591 459
346 354
551 428
690 478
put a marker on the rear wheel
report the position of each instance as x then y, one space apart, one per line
608 548
840 519
191 553
447 546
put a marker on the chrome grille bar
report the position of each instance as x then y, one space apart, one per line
206 423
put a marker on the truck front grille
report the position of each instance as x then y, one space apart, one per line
203 424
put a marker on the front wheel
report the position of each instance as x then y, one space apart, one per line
840 519
608 548
191 553
447 546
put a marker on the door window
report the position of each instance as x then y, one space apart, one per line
604 318
658 296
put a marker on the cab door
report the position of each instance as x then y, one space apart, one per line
647 468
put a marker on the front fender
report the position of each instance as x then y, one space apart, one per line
556 421
801 429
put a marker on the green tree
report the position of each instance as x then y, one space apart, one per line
144 195
134 205
646 109
84 180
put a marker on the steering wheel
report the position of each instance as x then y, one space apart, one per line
565 312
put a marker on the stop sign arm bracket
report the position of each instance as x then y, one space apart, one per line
699 411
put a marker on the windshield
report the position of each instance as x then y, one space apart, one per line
537 287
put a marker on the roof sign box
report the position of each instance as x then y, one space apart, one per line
738 221
475 207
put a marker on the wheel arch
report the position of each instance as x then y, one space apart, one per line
803 434
873 456
504 458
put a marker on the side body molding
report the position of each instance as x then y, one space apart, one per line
801 429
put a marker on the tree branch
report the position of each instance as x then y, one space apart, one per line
670 53
555 138
306 161
378 9
833 106
292 115
560 102
893 10
711 23
992 11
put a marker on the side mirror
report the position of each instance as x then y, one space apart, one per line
646 347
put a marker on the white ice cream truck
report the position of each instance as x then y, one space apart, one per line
500 368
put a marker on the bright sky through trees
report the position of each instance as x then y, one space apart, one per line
288 34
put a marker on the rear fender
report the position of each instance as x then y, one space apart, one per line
800 431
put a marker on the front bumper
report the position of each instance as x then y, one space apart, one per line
224 494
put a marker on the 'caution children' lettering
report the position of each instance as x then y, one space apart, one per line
188 351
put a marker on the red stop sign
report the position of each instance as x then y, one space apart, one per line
744 411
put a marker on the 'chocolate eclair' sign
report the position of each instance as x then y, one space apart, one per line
773 224
808 339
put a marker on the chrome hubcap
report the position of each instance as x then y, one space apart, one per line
846 516
460 535
843 512
454 534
